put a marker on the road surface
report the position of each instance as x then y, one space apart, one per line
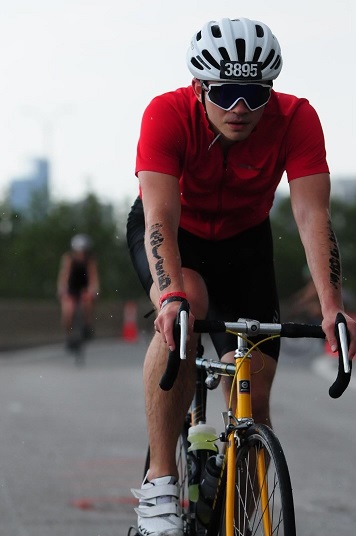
73 440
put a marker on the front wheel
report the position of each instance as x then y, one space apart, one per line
263 504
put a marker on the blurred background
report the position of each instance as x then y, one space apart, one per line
76 77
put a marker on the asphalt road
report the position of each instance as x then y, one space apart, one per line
73 441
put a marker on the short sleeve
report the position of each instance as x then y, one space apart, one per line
305 144
161 145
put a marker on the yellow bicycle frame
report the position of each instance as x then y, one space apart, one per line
244 411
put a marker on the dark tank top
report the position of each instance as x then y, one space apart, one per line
78 277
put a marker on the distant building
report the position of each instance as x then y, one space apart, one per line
30 189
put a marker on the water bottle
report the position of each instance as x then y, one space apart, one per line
208 486
201 437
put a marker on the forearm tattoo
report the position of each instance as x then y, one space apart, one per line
156 240
334 260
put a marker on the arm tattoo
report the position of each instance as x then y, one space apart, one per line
334 260
156 240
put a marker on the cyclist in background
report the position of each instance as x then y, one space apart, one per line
78 282
210 157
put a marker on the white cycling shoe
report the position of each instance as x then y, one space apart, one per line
159 512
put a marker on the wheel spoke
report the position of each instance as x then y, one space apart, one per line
263 494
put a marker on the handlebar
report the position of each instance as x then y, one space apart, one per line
253 328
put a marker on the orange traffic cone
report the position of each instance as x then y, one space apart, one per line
129 328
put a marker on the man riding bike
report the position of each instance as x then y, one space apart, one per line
209 159
78 283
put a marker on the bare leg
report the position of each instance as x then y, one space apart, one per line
67 310
88 307
166 410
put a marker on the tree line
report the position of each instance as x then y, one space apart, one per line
31 245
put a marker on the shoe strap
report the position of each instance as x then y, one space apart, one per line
159 510
156 491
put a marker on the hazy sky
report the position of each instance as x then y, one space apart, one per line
76 76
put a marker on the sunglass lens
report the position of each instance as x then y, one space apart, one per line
226 96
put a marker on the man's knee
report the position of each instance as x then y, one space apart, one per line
197 293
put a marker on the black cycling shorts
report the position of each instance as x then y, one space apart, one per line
238 272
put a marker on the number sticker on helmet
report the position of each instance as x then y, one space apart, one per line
234 70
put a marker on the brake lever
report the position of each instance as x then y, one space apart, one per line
183 321
345 364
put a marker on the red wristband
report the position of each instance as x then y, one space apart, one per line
172 299
172 295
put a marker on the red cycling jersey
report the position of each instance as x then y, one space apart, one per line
224 195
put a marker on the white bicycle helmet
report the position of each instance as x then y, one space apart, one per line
81 242
236 50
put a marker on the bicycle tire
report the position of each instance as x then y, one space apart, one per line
76 340
248 518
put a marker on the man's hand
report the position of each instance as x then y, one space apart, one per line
165 321
328 326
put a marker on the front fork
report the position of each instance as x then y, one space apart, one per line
243 413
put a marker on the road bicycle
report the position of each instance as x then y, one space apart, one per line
76 339
242 486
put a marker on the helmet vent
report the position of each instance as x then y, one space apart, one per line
276 63
224 53
257 54
215 30
198 37
241 49
196 64
259 31
268 60
199 63
209 58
